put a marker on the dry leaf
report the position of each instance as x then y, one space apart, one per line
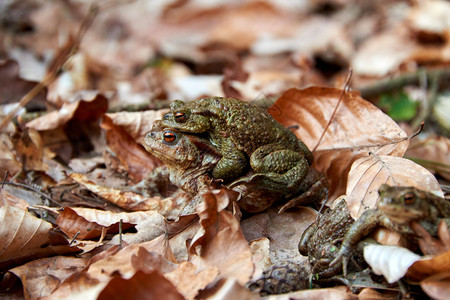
138 162
432 152
41 277
13 87
140 286
130 259
369 173
384 53
327 293
437 286
390 261
90 222
136 124
8 161
371 294
260 256
357 128
24 237
85 107
221 243
430 266
189 279
228 288
12 200
129 200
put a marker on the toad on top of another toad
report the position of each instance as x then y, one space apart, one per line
191 158
241 131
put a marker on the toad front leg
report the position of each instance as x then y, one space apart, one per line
233 162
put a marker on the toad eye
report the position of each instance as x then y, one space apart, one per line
169 136
409 198
180 117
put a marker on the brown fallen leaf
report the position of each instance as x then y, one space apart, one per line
228 288
86 106
136 124
433 153
41 277
221 243
140 286
12 200
340 292
429 245
138 162
168 207
373 60
13 87
371 294
8 161
429 266
357 128
90 222
189 279
437 286
24 237
370 172
31 151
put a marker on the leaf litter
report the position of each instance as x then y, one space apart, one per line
89 160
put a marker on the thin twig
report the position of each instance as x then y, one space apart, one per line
33 190
392 84
120 233
54 68
74 238
344 91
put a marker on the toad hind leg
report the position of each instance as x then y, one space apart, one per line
276 169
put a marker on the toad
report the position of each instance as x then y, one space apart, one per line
397 208
245 134
190 160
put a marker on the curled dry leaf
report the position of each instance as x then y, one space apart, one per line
128 200
90 222
390 261
86 106
221 243
24 237
51 271
370 172
357 128
138 162
136 124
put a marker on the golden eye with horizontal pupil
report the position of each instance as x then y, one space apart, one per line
169 136
409 198
180 116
